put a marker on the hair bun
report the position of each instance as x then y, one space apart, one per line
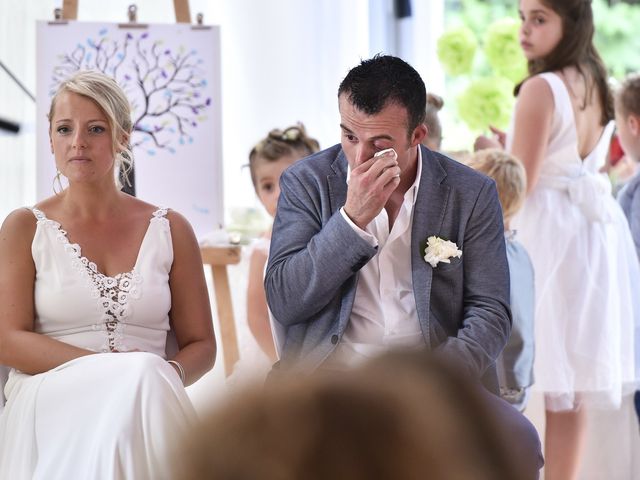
435 101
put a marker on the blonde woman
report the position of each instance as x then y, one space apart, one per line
92 280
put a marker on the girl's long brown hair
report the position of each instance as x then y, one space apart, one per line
576 49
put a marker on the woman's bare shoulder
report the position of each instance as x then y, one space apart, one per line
20 224
49 205
137 207
178 219
181 229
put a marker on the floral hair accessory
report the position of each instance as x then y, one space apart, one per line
440 250
291 134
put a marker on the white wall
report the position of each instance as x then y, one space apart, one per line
18 53
282 61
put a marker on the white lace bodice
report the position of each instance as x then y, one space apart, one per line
77 304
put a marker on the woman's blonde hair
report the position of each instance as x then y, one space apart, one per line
509 175
105 92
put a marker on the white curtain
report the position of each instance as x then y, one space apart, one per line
17 52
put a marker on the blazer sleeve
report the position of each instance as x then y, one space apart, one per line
486 322
313 252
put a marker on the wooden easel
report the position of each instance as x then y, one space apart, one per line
216 257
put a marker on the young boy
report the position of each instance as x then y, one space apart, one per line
627 106
627 103
515 364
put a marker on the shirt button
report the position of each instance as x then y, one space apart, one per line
334 339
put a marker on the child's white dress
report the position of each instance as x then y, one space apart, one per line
586 271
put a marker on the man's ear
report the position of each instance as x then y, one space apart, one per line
633 121
419 134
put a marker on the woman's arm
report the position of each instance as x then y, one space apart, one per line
20 346
257 311
190 308
532 126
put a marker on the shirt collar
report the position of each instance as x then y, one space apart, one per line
412 193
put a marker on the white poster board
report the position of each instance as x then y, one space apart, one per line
171 75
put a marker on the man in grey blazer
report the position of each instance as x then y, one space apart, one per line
346 276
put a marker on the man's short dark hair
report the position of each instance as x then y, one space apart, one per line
385 79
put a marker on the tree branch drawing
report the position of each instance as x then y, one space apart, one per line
166 86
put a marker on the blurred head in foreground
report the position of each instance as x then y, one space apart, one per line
403 416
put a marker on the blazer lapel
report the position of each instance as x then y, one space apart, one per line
337 186
428 216
337 183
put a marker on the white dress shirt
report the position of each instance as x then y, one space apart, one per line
384 311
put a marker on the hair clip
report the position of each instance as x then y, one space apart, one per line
291 134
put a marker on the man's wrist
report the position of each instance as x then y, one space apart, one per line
366 236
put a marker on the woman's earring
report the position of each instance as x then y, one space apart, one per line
57 180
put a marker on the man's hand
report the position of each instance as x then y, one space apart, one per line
370 186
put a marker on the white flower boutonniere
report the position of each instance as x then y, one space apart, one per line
440 250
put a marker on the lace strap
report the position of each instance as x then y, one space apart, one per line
40 216
161 212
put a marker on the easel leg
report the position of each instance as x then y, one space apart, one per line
228 337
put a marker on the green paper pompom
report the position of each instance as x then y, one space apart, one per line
456 49
486 101
502 49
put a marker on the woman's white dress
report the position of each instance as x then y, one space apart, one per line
586 272
108 415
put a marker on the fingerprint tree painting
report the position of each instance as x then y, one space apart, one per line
166 85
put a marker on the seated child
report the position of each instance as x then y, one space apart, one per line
515 364
627 103
267 160
433 140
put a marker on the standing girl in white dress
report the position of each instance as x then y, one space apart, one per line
92 280
574 231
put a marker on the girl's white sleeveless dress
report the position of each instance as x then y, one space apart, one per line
587 276
103 416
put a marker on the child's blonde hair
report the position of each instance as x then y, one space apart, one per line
509 175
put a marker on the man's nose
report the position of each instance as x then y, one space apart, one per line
363 154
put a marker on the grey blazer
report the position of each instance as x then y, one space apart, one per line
315 257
